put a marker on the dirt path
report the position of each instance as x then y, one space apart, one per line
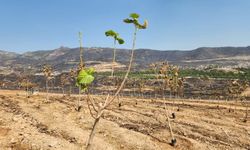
33 123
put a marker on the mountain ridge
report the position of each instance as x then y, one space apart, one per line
64 58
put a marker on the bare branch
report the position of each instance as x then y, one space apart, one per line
91 113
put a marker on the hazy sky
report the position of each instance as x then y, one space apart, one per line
173 24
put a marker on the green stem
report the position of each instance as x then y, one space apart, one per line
114 55
128 70
81 49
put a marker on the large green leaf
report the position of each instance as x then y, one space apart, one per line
128 20
85 78
120 40
115 35
111 33
90 71
134 15
134 19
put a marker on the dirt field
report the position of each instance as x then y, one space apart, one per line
33 123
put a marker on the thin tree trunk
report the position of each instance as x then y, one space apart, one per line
106 104
81 50
79 98
173 140
92 133
47 90
114 55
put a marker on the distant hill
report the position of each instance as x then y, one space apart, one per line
63 58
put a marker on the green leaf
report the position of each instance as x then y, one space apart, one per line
140 26
85 78
120 40
134 20
111 33
134 15
115 35
90 71
128 20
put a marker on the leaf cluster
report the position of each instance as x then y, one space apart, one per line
133 18
47 71
85 78
115 35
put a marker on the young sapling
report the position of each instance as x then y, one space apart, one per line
47 71
81 67
63 82
100 107
173 139
118 39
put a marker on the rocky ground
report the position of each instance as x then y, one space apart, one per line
34 123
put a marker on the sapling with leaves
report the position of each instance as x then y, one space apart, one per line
81 65
173 139
27 85
47 71
181 90
118 39
97 110
174 83
85 78
171 78
166 74
154 68
80 68
22 84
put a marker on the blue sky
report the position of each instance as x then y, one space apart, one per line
28 25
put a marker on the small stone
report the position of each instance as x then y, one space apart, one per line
53 143
13 141
15 119
122 146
